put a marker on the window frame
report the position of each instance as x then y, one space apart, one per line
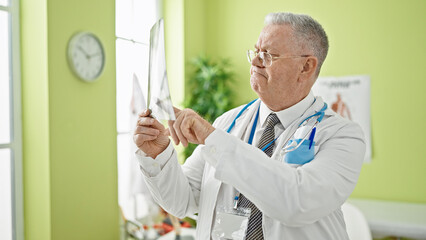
159 7
15 144
128 131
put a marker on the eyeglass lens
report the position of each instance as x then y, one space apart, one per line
264 58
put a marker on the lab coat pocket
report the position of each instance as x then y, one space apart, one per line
303 154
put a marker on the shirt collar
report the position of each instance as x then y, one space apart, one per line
287 116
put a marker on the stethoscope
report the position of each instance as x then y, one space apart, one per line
294 145
287 147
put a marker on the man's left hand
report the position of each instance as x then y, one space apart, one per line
189 127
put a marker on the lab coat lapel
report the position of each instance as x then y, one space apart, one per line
242 126
210 183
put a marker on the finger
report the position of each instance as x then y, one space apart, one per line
145 121
147 130
158 125
141 138
185 128
167 132
145 113
179 134
177 110
173 133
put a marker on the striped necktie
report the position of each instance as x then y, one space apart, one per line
254 228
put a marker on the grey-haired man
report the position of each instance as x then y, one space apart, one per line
246 158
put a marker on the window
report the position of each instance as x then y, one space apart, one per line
134 19
11 216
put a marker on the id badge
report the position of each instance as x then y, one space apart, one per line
231 223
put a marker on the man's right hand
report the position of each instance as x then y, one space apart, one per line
150 135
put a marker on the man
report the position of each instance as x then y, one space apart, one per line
251 156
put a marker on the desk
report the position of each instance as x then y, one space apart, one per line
397 219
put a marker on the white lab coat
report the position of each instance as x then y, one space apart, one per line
297 202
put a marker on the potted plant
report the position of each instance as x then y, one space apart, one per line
210 94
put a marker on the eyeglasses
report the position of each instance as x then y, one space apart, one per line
266 58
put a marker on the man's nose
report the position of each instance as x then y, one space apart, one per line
256 61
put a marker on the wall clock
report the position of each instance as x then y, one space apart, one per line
86 56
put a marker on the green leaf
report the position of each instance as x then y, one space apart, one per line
210 92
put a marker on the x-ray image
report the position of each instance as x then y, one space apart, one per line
158 100
138 102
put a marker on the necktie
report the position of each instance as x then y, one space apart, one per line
254 228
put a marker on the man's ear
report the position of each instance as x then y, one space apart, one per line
309 68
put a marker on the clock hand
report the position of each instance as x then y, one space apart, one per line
95 54
84 52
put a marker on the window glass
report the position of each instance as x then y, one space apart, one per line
123 18
4 2
125 163
134 19
6 197
132 58
145 16
4 79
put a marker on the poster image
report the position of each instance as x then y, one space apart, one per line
349 96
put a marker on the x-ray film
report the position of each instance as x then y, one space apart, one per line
138 100
158 100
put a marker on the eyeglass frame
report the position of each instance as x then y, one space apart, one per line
261 55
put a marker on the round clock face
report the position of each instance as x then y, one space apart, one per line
86 56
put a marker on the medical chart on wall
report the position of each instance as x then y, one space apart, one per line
348 96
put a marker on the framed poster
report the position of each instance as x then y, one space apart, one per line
349 96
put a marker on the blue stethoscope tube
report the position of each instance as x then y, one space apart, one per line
253 128
320 115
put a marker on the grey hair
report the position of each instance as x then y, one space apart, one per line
307 31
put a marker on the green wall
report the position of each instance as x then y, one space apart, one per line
70 177
69 126
173 12
35 122
185 35
383 39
